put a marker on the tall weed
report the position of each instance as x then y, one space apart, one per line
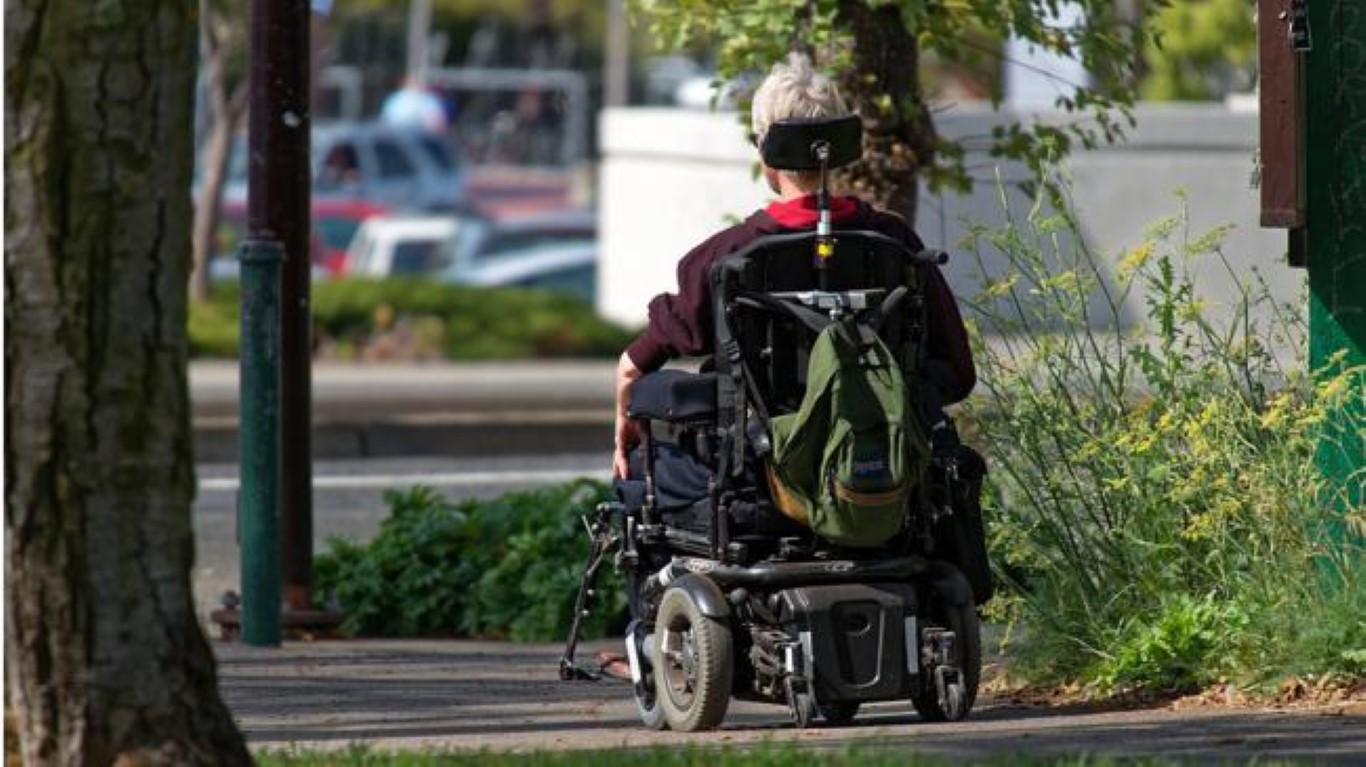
1154 502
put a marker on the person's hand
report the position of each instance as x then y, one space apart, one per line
628 433
626 430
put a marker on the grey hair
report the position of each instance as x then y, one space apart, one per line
794 89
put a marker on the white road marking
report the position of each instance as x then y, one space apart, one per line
440 479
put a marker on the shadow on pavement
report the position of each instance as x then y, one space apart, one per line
457 694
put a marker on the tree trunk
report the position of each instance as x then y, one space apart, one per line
106 661
225 115
884 87
217 151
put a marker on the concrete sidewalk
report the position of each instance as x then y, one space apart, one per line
437 409
471 695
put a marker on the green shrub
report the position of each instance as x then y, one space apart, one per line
213 329
506 568
1180 650
453 321
1154 501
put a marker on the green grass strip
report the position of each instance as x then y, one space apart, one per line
762 754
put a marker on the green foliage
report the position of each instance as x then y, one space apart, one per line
585 17
1200 49
214 327
505 568
1156 506
751 36
1178 650
452 321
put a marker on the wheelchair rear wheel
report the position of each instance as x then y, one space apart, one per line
956 701
695 664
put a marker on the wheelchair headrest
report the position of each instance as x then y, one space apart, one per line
796 144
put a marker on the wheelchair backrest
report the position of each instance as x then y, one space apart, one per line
773 347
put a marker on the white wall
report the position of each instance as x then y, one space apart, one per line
670 178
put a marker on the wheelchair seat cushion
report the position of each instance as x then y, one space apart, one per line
675 396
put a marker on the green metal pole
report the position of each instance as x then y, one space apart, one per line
259 435
1335 150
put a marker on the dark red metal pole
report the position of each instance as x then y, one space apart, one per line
278 209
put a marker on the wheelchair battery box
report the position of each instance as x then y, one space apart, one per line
857 642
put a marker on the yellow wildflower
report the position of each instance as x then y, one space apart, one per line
1135 259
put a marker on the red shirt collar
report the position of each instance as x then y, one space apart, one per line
800 212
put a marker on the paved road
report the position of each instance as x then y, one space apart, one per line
469 695
348 500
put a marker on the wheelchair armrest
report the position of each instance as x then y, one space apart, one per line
675 396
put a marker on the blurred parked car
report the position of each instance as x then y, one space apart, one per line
555 251
485 240
407 246
385 165
232 230
336 223
569 267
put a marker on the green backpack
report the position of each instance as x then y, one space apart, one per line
847 462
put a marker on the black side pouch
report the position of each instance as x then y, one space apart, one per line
961 537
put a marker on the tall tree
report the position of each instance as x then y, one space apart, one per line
105 659
1200 50
875 46
222 47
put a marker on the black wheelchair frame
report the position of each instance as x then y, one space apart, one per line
737 609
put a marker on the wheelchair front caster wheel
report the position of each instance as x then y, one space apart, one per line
648 707
801 704
947 693
695 665
647 702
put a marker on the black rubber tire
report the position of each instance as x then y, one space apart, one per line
801 706
839 713
963 622
648 706
647 702
803 710
695 667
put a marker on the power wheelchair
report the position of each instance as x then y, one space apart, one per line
728 596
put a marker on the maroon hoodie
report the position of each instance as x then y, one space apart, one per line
681 323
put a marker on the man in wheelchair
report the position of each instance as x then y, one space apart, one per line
797 523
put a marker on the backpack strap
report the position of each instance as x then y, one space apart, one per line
811 318
730 395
